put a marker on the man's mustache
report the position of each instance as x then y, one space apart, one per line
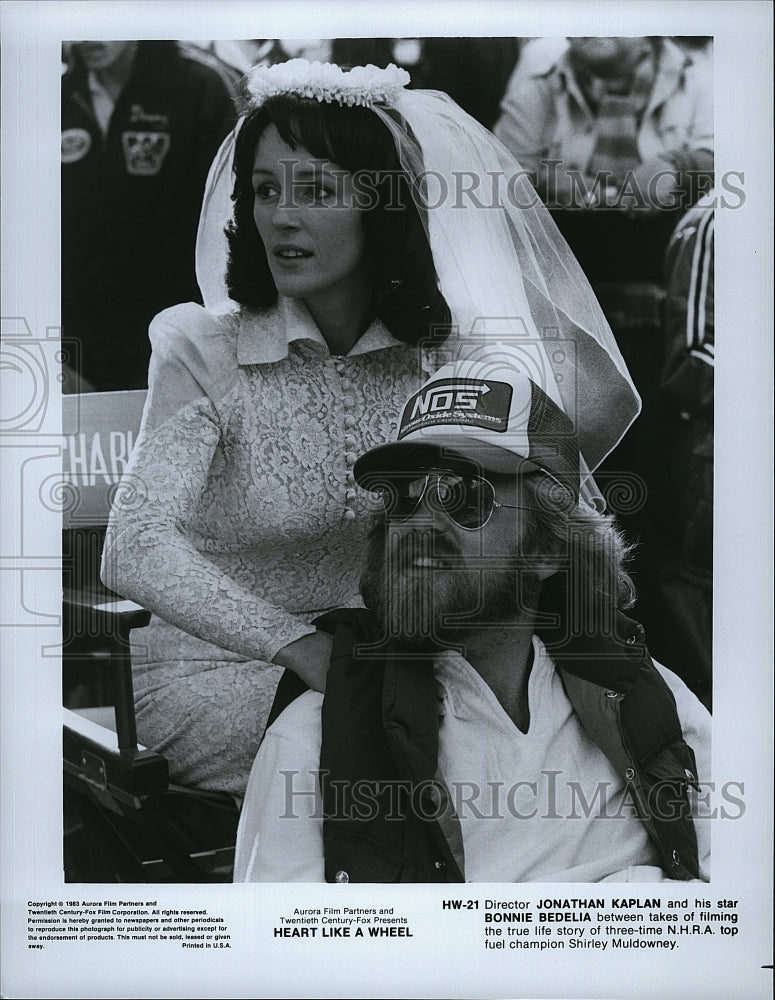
421 544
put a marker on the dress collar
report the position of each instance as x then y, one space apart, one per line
264 336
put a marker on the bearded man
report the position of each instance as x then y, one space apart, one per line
491 716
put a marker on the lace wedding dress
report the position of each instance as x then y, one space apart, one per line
238 519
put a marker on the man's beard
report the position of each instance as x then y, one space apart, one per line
436 604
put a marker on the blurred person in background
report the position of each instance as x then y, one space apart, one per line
618 134
634 115
676 605
141 122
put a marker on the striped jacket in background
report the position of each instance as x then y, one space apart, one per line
689 328
686 581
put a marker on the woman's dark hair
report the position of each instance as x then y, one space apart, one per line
405 286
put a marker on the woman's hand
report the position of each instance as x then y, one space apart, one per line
308 658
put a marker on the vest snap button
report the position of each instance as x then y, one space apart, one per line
341 877
441 863
611 694
629 773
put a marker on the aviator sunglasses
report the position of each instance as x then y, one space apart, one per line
468 500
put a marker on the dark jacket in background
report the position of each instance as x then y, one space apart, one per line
681 624
131 203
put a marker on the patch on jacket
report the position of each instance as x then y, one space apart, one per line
76 143
144 152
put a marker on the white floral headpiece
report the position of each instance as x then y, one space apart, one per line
326 82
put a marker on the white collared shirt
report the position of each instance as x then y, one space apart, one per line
290 321
545 805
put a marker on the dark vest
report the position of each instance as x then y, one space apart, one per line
387 812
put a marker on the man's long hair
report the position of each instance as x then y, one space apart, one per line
591 555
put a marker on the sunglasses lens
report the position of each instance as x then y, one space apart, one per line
400 499
468 500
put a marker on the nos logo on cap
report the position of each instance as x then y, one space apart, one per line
473 402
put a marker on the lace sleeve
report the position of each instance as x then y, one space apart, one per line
148 555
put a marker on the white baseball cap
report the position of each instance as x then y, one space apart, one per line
487 414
